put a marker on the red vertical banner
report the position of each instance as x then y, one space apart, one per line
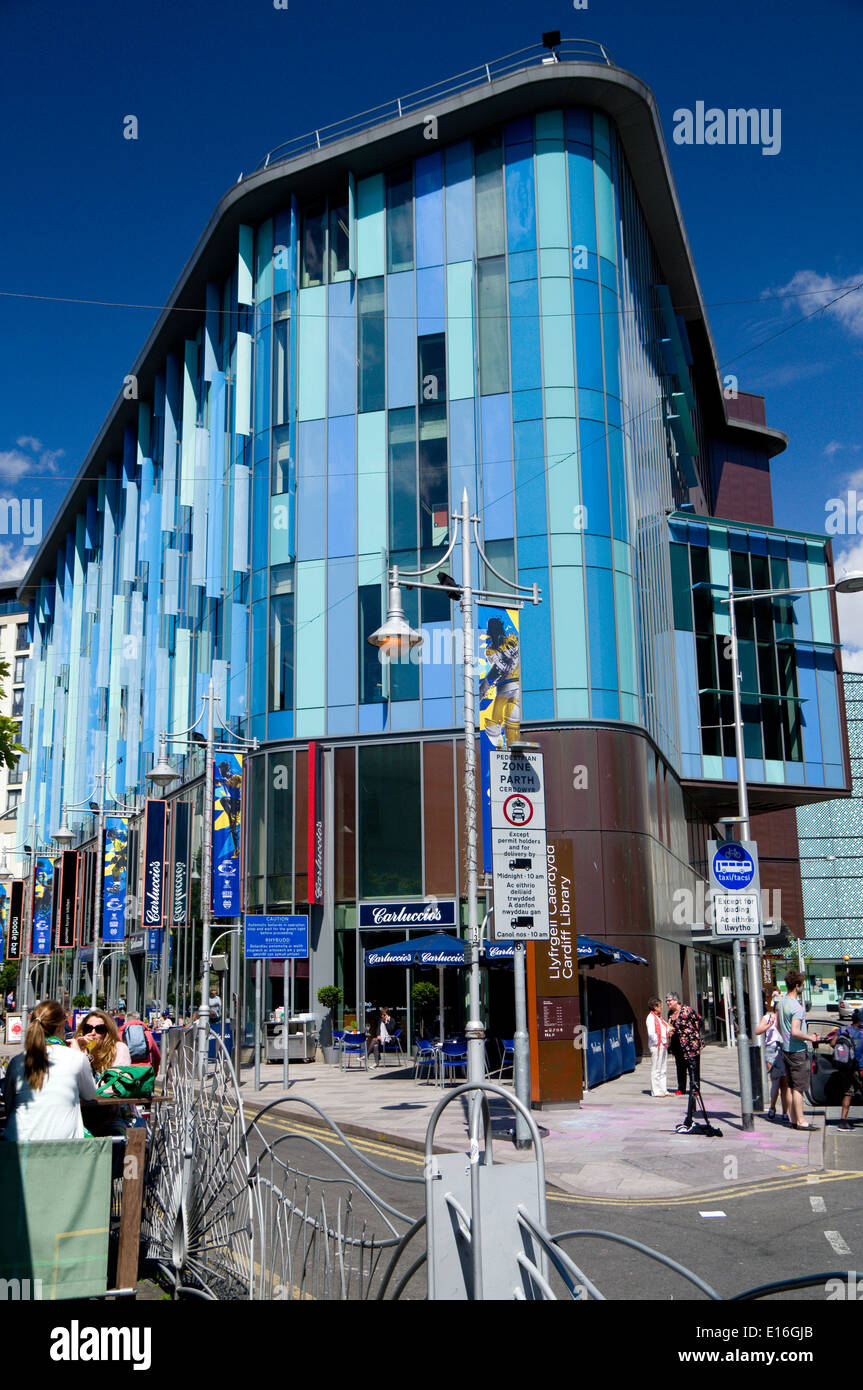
67 897
315 842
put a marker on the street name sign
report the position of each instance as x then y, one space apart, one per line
519 860
276 938
735 887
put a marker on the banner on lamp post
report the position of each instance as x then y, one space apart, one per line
4 918
499 670
182 838
67 895
115 874
43 906
154 862
315 841
227 812
16 916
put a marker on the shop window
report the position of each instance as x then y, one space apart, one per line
400 221
389 812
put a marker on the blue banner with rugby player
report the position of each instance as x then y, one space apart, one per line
115 871
227 832
43 906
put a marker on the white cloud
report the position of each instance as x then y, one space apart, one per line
28 458
813 291
850 608
15 560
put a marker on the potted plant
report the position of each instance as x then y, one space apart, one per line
424 997
331 997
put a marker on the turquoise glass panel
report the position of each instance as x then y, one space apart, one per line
311 634
341 638
371 239
460 337
570 636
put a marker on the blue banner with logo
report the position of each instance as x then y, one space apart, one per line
227 832
154 862
43 906
115 870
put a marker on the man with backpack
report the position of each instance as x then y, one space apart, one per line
848 1056
140 1042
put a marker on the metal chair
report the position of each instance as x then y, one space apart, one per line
426 1057
452 1057
394 1043
507 1055
353 1045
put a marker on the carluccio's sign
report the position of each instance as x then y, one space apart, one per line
554 1020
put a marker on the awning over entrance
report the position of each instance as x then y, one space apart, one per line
592 952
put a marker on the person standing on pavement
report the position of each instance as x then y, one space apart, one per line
674 1006
773 1057
657 1038
791 1017
686 1024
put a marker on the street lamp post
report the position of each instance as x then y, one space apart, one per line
162 775
851 583
393 639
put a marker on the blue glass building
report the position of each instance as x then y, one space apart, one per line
494 292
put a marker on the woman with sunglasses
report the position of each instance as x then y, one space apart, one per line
97 1035
46 1083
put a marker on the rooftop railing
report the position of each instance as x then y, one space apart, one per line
568 51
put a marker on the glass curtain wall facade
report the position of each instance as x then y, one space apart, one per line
491 314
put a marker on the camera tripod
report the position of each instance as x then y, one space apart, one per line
688 1126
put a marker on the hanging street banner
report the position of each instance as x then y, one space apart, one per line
43 906
735 886
67 895
315 840
519 847
227 831
16 915
180 864
154 862
499 669
115 871
4 918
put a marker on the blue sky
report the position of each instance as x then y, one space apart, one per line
88 215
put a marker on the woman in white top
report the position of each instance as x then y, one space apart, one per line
773 1057
657 1038
46 1083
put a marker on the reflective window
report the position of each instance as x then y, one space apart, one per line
281 459
339 247
280 806
371 365
281 371
371 691
400 221
281 653
402 474
433 481
493 349
489 198
312 259
431 359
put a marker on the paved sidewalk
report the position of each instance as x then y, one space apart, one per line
619 1144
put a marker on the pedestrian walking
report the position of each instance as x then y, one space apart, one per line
791 1017
658 1033
769 1025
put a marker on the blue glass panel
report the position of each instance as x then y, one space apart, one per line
529 454
431 301
834 775
527 405
538 704
462 451
280 724
525 335
757 543
597 552
604 704
438 714
429 210
582 212
401 341
372 719
497 468
602 641
459 202
532 552
687 684
579 127
815 774
405 715
594 476
262 378
617 481
437 671
520 192
611 332
730 765
341 500
341 636
588 338
259 657
535 628
828 707
342 349
691 765
341 719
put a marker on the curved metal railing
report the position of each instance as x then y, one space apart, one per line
568 51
